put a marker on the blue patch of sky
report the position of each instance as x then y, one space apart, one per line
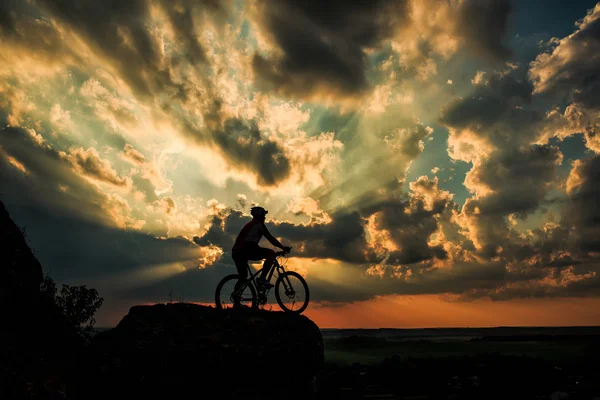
535 21
451 174
554 17
244 32
323 119
573 148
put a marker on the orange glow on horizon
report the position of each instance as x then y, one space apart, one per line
432 311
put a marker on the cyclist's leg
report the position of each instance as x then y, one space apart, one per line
241 264
269 256
261 253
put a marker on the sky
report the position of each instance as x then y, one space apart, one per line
431 162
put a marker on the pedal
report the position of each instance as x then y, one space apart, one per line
262 299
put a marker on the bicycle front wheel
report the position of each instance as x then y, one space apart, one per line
225 294
291 292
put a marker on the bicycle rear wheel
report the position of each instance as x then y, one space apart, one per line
224 295
291 292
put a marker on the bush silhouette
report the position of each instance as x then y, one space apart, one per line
77 303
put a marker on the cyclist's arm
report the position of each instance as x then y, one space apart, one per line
272 238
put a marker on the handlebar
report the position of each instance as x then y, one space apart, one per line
282 252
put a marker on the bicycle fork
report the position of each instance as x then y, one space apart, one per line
289 290
264 293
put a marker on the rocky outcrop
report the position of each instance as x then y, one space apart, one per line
175 350
20 272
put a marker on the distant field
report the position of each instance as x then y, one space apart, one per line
570 345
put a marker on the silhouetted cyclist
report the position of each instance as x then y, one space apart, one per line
246 247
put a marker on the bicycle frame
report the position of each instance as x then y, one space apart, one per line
284 289
275 266
252 276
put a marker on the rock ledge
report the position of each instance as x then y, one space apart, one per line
178 349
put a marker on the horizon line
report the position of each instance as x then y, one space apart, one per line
443 327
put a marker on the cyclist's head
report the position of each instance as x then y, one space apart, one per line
258 212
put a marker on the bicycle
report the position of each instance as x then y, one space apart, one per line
249 292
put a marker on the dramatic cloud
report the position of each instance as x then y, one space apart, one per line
401 146
582 210
106 248
574 120
243 144
494 130
185 18
132 154
56 181
342 238
498 113
89 163
309 207
408 225
34 40
118 31
572 65
514 182
242 199
324 50
322 45
571 69
483 25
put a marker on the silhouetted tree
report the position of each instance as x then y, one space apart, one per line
77 303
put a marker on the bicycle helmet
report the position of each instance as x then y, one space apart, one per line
258 211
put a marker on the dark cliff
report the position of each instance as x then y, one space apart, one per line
37 345
176 350
20 272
